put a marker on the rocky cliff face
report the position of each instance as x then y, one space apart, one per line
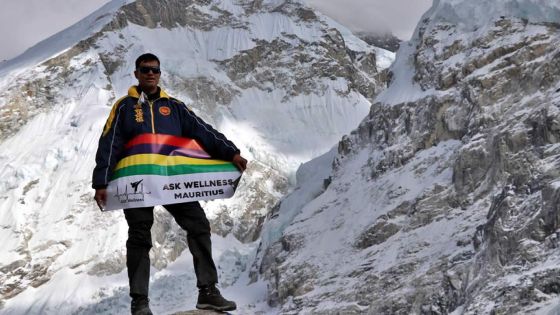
445 198
275 77
385 41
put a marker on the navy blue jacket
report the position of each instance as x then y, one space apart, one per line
134 114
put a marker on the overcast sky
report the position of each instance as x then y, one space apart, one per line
23 23
395 16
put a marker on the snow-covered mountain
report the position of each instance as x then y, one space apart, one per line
280 80
445 199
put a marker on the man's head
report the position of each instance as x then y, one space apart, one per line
147 72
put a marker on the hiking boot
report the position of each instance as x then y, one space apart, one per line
209 298
140 306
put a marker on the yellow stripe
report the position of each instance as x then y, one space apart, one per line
164 160
152 112
109 122
133 92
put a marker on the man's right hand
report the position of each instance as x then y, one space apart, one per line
101 198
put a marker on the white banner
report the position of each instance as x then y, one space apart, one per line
151 190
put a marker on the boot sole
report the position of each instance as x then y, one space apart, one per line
215 308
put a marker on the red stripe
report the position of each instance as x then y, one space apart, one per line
153 138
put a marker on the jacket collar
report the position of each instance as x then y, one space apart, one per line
133 92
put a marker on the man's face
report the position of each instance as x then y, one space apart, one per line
147 78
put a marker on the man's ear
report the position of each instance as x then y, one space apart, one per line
136 74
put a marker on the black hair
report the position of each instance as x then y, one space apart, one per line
146 57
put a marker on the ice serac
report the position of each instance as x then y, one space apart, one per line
445 199
279 79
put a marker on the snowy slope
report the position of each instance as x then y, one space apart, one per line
283 82
444 199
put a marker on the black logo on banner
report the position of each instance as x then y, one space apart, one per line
135 185
135 194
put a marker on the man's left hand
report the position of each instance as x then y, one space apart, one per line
240 162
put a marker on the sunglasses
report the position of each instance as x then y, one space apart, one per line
146 70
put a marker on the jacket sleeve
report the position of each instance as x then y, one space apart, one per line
109 148
215 143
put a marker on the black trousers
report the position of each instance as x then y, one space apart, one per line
191 217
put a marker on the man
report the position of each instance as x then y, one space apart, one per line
148 109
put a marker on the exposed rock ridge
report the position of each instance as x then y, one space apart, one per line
482 236
385 41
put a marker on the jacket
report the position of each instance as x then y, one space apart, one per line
135 114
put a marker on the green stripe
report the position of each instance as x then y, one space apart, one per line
151 169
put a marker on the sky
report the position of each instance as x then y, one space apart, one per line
398 17
23 23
